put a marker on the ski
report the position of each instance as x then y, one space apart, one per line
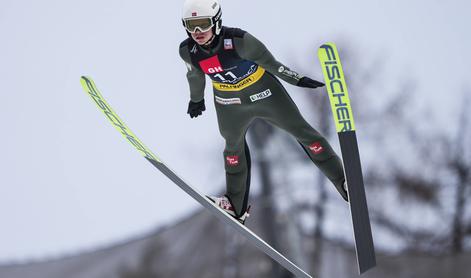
90 88
345 126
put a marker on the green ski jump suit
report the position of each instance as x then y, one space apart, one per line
245 88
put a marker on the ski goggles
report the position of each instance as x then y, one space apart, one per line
202 24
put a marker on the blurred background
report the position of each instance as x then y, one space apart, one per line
77 201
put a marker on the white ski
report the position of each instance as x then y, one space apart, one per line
92 91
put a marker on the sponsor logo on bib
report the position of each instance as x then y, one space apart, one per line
259 96
227 101
211 65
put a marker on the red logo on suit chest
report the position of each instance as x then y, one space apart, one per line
211 65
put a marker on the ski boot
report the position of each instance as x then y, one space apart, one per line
224 203
342 188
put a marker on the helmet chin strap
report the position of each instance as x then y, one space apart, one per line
209 41
215 34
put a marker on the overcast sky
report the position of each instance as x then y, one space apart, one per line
69 182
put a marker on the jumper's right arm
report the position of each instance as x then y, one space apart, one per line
196 78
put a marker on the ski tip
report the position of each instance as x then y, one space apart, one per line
327 47
86 82
331 44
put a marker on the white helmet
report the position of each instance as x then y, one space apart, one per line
202 15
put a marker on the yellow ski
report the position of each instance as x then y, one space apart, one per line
345 126
90 88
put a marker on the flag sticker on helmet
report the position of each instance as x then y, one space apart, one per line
194 14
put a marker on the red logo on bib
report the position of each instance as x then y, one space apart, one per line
211 65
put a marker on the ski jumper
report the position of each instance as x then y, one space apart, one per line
245 88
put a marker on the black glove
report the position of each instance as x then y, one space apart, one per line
196 108
309 83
